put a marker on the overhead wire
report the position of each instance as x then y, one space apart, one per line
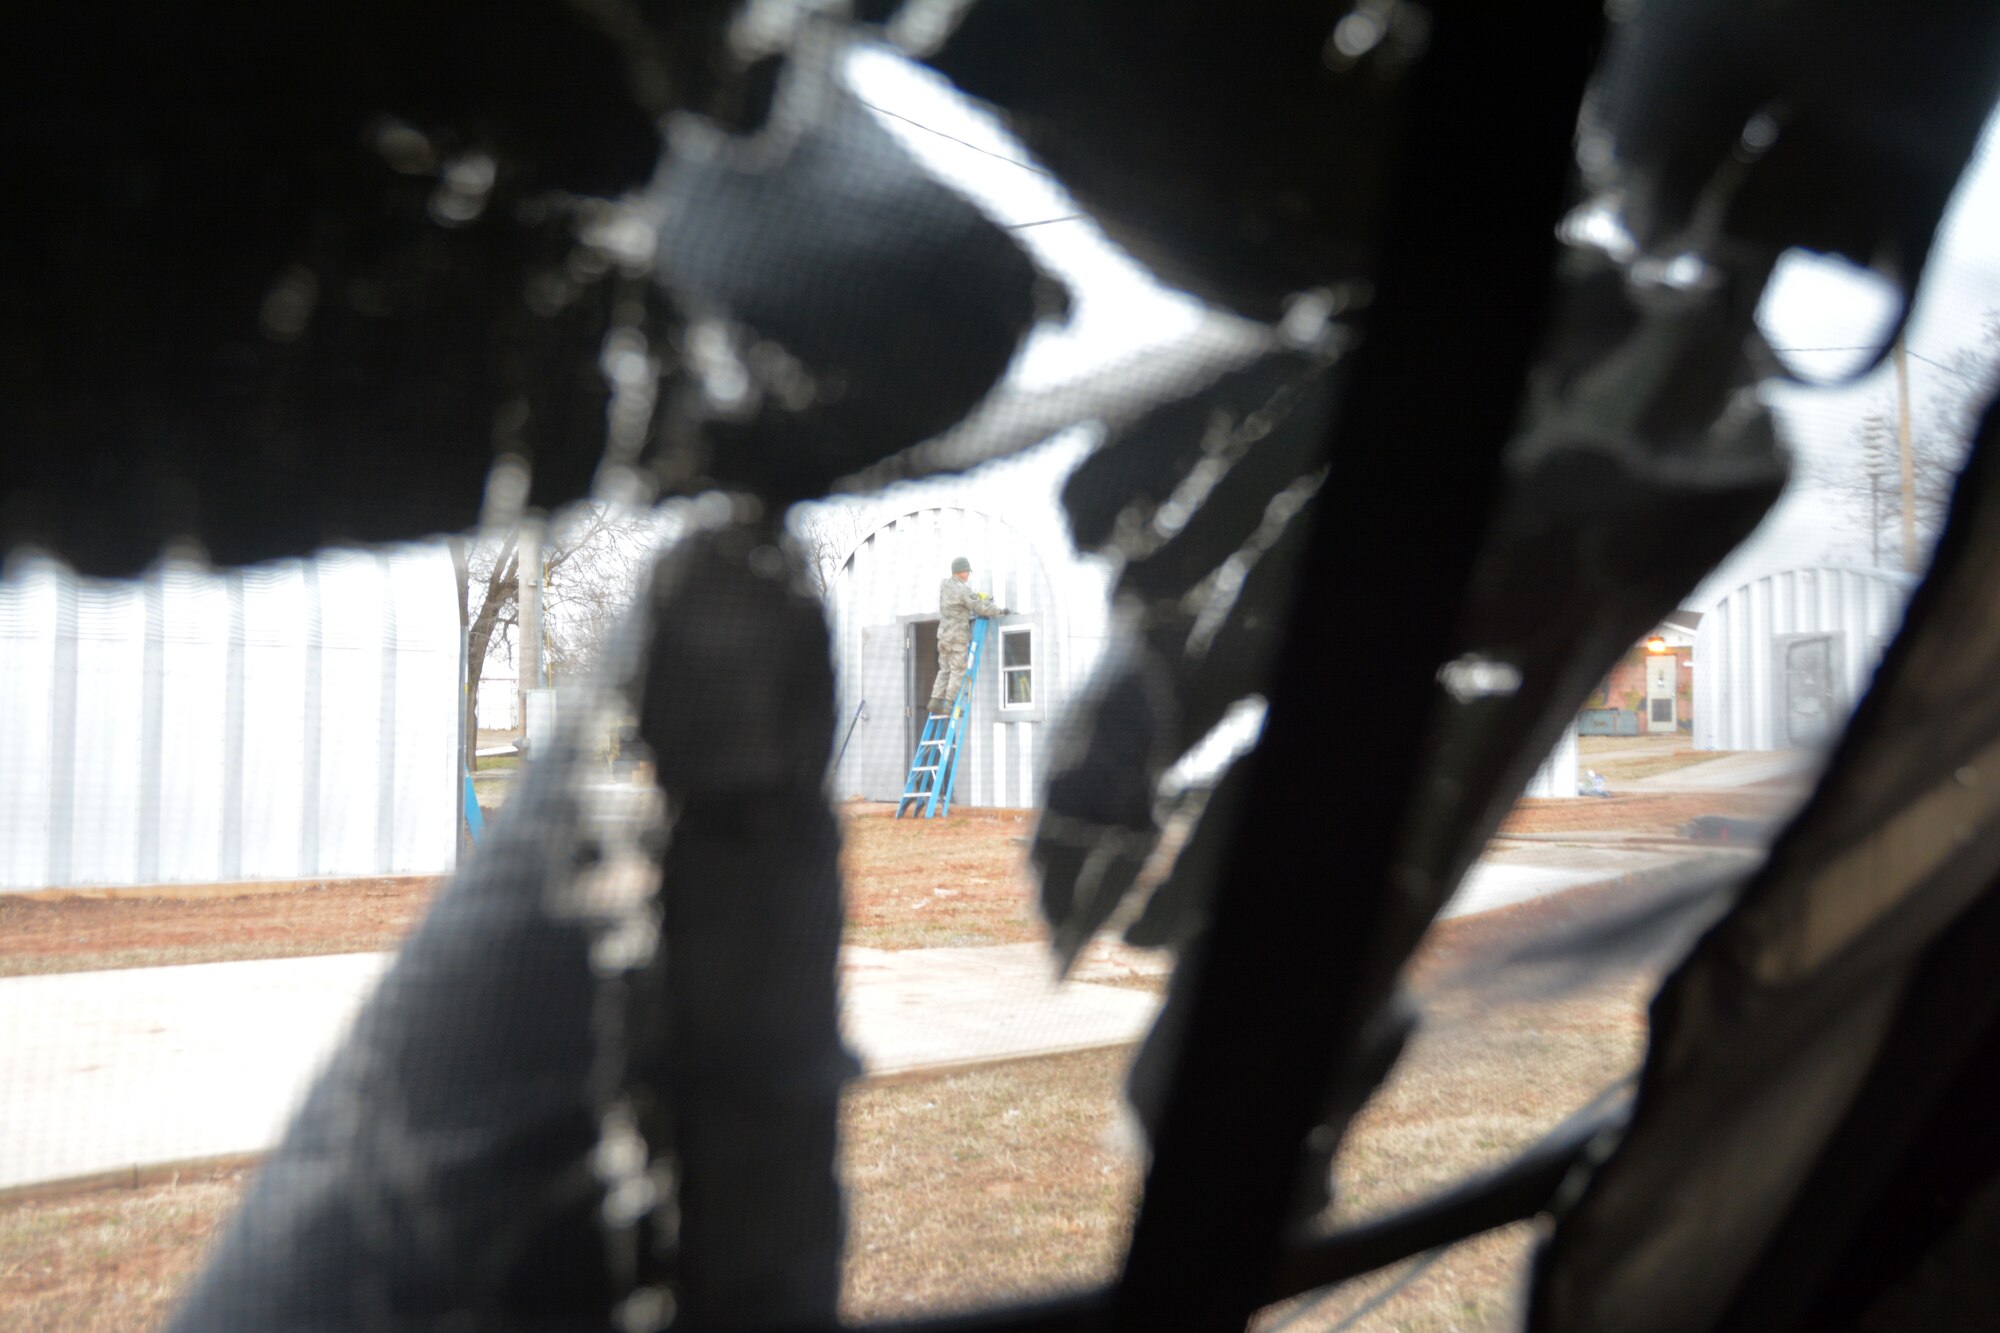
1872 347
984 152
1949 370
963 143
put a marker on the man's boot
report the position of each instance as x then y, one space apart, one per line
939 707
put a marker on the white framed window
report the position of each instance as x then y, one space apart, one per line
1017 666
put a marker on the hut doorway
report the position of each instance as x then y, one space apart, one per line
1662 712
1810 664
922 673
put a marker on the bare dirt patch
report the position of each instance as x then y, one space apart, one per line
1629 758
93 934
912 884
934 883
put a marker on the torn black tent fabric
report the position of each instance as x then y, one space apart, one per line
595 1148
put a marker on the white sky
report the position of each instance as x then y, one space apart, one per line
1119 309
1959 292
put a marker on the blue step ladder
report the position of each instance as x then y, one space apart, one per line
934 768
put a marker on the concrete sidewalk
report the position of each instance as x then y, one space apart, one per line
926 1009
106 1070
111 1071
1743 769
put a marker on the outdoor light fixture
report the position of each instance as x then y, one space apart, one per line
1656 644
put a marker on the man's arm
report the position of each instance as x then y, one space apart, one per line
974 604
959 597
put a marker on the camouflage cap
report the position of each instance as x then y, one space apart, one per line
961 566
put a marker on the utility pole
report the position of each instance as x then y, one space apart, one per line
1908 458
1874 518
1877 461
529 572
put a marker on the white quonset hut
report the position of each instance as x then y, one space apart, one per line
1781 660
883 604
291 721
884 607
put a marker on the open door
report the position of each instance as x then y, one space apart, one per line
921 672
874 762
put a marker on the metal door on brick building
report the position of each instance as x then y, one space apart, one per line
1662 711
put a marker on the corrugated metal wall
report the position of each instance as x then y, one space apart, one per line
290 721
892 579
1739 686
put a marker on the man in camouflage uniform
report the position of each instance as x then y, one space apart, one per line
958 607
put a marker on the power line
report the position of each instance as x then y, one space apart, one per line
1871 347
1949 370
963 143
986 152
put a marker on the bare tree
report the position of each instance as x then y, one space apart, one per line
592 562
592 568
1867 477
827 534
488 594
1869 480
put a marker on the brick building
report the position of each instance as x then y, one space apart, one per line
1655 677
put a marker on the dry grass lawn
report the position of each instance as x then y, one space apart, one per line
94 934
1010 1181
109 1261
986 1186
968 1189
972 1188
937 883
1629 758
912 884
